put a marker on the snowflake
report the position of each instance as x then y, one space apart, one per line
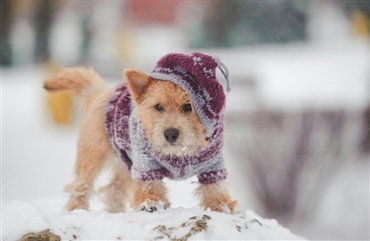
209 73
197 60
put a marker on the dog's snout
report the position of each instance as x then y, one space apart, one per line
171 135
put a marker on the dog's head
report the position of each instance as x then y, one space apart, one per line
167 115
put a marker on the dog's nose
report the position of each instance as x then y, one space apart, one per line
171 135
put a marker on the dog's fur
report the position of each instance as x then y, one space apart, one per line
94 150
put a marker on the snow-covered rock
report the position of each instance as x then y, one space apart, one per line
21 218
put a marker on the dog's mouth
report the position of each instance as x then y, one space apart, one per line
173 149
183 148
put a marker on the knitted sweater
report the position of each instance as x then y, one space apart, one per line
127 138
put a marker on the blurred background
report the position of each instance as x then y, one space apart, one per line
297 119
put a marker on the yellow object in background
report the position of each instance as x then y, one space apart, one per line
60 105
361 22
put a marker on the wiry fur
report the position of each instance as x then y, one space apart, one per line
83 82
148 193
216 197
172 98
94 150
117 192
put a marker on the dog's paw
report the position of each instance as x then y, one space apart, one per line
152 206
231 207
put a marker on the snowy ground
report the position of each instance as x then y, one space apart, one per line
21 218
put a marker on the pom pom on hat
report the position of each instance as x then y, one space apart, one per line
196 74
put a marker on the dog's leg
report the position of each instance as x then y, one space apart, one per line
216 197
149 196
92 151
90 160
117 191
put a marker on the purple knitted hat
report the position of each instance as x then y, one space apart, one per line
196 74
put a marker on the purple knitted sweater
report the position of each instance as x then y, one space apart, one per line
127 138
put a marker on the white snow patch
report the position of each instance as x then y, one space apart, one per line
21 218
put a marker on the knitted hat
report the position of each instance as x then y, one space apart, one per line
196 74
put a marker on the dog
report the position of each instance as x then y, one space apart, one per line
156 128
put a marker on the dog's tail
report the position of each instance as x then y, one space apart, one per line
80 81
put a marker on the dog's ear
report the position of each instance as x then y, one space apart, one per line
137 82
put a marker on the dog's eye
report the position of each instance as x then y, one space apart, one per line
186 108
159 107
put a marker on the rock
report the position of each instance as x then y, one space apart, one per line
42 236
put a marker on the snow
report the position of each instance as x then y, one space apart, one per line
299 76
21 218
349 189
37 156
22 215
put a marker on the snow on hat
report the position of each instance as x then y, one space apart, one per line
196 74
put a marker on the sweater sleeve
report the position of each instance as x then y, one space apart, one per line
147 175
145 168
213 174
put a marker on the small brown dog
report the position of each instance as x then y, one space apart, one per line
170 128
